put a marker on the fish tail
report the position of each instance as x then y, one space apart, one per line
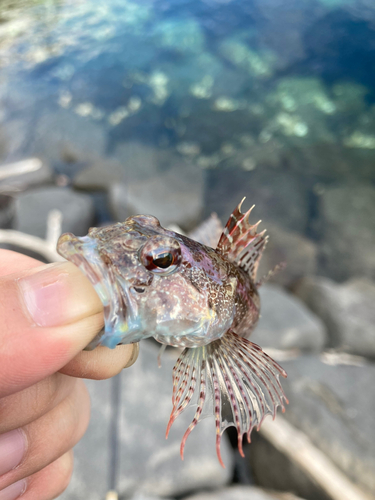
234 379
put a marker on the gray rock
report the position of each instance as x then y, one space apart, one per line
273 470
281 199
242 493
346 309
347 226
100 176
32 208
332 400
138 160
148 463
20 175
175 196
299 254
64 136
286 323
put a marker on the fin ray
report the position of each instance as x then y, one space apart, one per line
235 377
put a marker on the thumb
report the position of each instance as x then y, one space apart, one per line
48 315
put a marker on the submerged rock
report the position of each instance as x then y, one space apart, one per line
148 463
346 309
286 323
32 208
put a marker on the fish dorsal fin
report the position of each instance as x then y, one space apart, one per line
241 243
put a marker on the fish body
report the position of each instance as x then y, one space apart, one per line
154 282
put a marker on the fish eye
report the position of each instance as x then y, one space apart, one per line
162 259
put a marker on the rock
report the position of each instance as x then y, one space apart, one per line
148 463
347 228
65 136
299 254
175 196
100 176
138 160
332 400
25 173
273 470
32 208
346 309
242 493
281 199
7 210
286 323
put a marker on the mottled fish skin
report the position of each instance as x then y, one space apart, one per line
154 282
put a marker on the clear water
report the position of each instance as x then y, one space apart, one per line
265 98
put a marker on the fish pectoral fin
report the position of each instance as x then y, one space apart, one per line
236 377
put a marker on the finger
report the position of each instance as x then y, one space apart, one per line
13 262
49 437
25 406
46 484
101 363
49 314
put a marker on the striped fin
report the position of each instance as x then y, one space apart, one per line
236 377
241 243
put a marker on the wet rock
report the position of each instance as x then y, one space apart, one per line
347 227
346 309
32 208
65 136
242 493
286 323
332 400
298 253
20 175
281 199
148 463
175 196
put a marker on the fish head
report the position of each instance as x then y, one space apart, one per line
151 281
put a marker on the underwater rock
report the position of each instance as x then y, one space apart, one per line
180 35
174 196
32 208
139 161
298 252
238 492
65 136
331 400
346 224
148 464
286 323
346 309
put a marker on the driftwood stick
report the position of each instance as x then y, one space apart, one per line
46 248
300 450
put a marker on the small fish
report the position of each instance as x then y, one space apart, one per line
157 283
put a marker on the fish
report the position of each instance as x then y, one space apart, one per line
154 282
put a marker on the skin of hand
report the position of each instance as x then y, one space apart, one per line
48 314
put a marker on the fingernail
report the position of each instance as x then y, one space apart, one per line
58 294
134 356
12 450
13 491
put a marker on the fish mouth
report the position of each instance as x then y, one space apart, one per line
121 323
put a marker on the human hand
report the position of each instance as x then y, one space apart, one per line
48 314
